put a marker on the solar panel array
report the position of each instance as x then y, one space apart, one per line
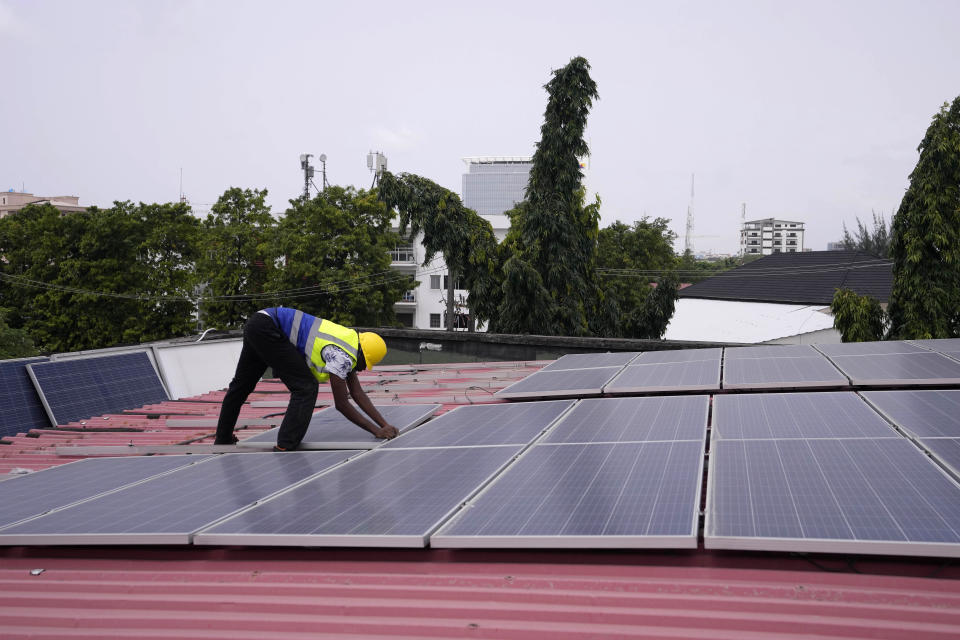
22 409
80 388
947 346
793 366
330 429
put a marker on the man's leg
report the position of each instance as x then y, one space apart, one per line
250 369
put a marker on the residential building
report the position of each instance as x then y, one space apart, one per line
769 236
782 298
11 201
491 186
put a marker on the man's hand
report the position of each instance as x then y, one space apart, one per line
387 433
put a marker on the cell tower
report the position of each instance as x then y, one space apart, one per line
688 239
307 173
377 163
743 227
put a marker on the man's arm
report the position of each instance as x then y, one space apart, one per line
342 390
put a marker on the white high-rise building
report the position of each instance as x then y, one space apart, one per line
769 235
491 186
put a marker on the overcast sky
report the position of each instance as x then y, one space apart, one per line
808 111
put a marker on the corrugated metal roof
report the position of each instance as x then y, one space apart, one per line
232 592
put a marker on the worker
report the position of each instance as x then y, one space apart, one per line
304 351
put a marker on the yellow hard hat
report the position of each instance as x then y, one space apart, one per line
373 347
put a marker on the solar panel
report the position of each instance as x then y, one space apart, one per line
633 420
22 409
922 414
836 414
770 351
330 429
698 375
590 360
33 494
569 383
79 388
168 509
868 348
625 495
947 346
899 369
384 498
880 496
946 450
781 373
679 355
483 425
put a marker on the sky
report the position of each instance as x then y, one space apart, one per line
809 111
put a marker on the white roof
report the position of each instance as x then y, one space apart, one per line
746 322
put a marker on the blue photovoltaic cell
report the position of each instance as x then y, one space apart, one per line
899 369
770 351
573 382
590 360
36 493
330 429
20 406
922 414
781 373
679 355
484 424
80 388
946 450
169 508
625 495
382 498
633 420
828 414
697 375
831 495
947 346
869 348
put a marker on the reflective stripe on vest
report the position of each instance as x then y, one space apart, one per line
323 333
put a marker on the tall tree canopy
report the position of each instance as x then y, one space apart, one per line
925 242
554 234
236 257
337 261
874 240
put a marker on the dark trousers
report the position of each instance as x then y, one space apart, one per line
264 345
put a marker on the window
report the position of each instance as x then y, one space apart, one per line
408 297
435 320
460 321
406 319
457 285
435 284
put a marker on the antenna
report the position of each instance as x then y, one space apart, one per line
182 197
743 227
688 240
377 163
323 171
307 173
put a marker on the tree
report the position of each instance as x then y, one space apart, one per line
554 234
858 318
14 343
874 241
236 257
925 238
336 249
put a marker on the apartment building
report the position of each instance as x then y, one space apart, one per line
770 235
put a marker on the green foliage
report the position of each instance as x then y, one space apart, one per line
925 238
237 255
875 241
553 232
650 320
337 253
857 318
464 239
14 343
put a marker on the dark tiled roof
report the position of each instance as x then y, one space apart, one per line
810 277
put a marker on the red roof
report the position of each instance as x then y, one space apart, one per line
235 592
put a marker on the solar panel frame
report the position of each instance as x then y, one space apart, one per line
169 508
330 429
22 407
368 488
679 355
801 415
949 347
481 425
919 413
591 360
570 383
881 478
885 347
899 369
100 384
637 419
524 495
782 373
697 375
32 495
946 451
769 351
